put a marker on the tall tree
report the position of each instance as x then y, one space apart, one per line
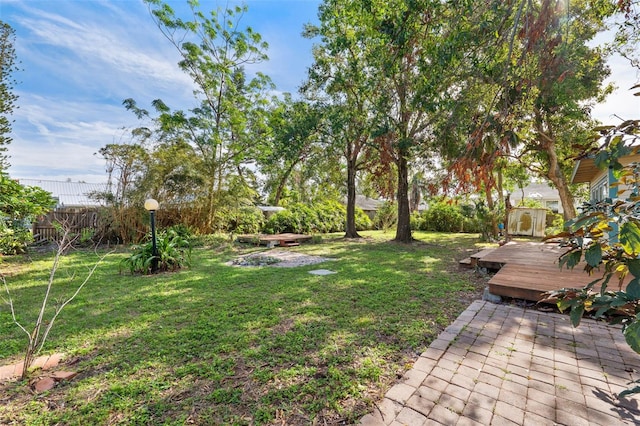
628 33
231 117
418 57
540 73
342 72
7 96
560 74
398 53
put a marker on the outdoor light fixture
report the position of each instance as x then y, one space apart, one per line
151 206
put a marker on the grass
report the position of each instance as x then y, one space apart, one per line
218 344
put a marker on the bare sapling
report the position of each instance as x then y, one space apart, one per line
38 335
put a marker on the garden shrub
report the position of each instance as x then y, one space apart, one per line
325 217
442 217
387 216
554 223
174 252
245 220
14 240
331 217
297 218
363 222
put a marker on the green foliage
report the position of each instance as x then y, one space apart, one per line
14 240
245 220
363 222
386 217
325 217
607 236
18 206
443 216
297 218
174 252
555 223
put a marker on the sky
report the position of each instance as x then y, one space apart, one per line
80 59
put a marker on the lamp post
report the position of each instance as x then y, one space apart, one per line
151 206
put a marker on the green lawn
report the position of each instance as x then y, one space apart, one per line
217 344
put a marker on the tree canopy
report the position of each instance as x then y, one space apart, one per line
8 97
405 98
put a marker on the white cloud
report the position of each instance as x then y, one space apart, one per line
123 54
53 137
80 60
621 104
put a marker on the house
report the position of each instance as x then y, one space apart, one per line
368 205
602 183
70 196
600 180
543 193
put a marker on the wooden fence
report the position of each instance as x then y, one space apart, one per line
77 222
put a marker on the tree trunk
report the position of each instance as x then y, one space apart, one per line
558 178
555 173
566 197
491 208
351 231
282 183
403 230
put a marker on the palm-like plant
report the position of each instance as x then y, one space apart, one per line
174 252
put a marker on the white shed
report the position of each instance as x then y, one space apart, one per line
527 221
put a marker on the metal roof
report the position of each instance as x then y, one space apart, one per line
69 194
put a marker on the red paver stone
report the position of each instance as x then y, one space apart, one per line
44 384
63 375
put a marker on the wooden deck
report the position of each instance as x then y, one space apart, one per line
528 270
282 240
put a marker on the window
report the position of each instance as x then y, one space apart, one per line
600 190
552 205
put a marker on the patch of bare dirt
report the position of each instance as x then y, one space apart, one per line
278 258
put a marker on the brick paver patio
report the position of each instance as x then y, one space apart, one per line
506 365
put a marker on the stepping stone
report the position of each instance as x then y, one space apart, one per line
63 375
44 384
53 361
322 272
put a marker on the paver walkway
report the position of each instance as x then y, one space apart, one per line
505 365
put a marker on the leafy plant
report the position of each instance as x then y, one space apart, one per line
245 220
329 216
606 236
14 240
174 252
387 216
18 205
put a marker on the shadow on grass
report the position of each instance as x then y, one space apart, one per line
223 344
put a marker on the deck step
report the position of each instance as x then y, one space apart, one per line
474 258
